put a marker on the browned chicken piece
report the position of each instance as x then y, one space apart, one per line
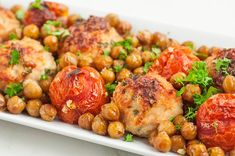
32 63
8 24
145 102
219 76
90 37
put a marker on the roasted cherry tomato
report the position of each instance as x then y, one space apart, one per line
216 121
75 91
173 60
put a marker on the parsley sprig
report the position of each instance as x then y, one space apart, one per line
147 65
13 89
117 68
127 44
129 138
110 87
15 57
12 36
221 65
36 4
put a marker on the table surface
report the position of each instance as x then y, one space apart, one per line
208 15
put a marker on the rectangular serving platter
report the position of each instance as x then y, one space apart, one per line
140 145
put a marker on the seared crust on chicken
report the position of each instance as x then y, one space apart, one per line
33 61
145 102
8 24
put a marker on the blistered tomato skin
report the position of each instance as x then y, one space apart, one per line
75 91
216 121
173 60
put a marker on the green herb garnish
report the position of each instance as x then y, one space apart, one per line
122 55
129 138
127 44
54 23
178 127
110 87
13 89
36 4
172 119
106 53
78 53
156 52
147 65
15 57
12 36
221 65
20 14
44 76
181 91
117 68
190 113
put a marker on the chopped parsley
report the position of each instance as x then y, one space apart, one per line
147 65
127 44
178 127
60 33
15 57
122 55
13 89
190 113
44 76
172 119
129 138
46 48
190 45
106 53
221 65
20 14
156 52
110 87
181 91
36 4
54 23
78 53
46 28
12 36
117 68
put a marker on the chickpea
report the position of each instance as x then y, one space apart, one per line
123 74
194 141
229 84
203 52
73 18
216 151
31 31
51 42
139 71
48 112
45 84
168 127
68 59
147 56
145 37
172 42
45 29
32 90
190 90
123 27
189 131
160 40
232 152
108 75
112 19
110 112
85 121
189 44
103 61
15 8
99 125
118 63
116 129
179 120
115 52
175 77
2 103
161 141
214 50
134 60
84 60
33 107
15 105
197 150
178 142
135 41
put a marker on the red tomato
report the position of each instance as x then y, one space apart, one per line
216 121
173 60
75 91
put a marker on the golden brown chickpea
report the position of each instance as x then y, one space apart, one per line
135 41
85 121
203 52
175 77
33 107
214 50
229 84
145 37
190 90
172 42
15 8
116 129
139 71
161 142
103 61
112 19
45 29
178 142
48 112
68 59
73 18
31 31
115 52
197 150
216 151
179 120
99 125
110 112
51 42
32 90
168 127
108 75
45 84
147 56
189 131
134 60
123 27
194 141
160 40
84 60
123 74
3 104
232 152
15 105
189 44
118 63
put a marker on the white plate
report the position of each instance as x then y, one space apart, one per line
139 146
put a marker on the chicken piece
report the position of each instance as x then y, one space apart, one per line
90 37
8 24
146 101
33 61
219 76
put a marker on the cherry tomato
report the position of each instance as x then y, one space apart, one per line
216 121
75 91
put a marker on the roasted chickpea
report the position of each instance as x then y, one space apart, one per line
103 61
15 8
46 29
189 44
3 104
110 112
123 27
32 90
118 63
168 127
108 75
115 52
123 74
135 41
45 83
51 42
161 141
145 37
172 42
147 56
85 121
175 77
197 150
194 141
112 19
214 50
229 84
31 31
179 120
73 18
99 125
15 105
160 40
68 59
48 112
216 151
134 60
139 71
84 60
190 90
232 152
33 107
116 129
178 142
203 52
189 131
